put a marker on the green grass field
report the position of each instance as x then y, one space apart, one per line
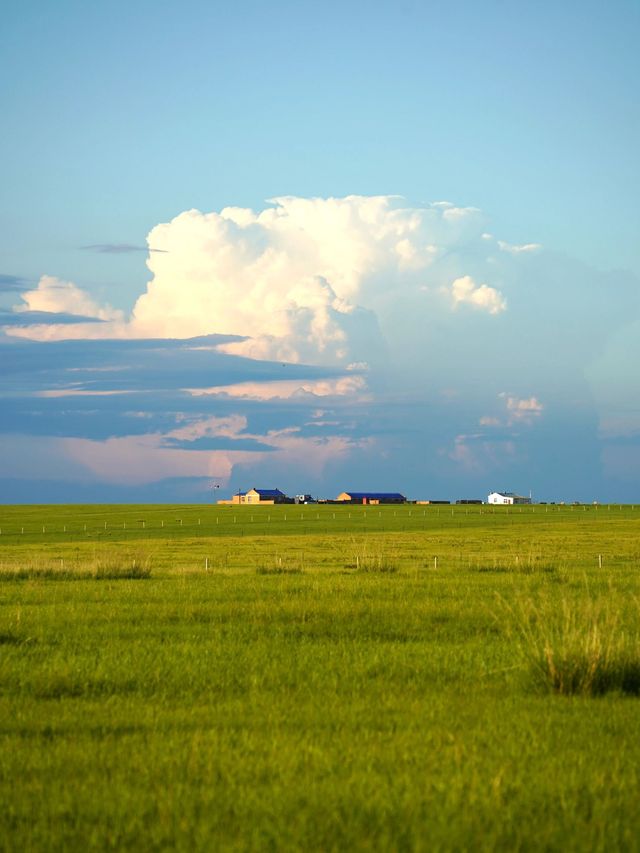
319 678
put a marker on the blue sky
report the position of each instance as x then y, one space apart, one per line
397 343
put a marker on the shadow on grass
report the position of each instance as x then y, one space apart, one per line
9 639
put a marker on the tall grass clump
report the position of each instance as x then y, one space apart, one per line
367 559
578 646
122 567
35 572
282 565
109 565
526 564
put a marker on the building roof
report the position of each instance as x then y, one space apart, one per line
508 494
270 493
374 496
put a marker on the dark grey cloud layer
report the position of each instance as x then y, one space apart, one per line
46 318
149 378
113 388
139 366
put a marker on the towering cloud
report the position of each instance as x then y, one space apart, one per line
308 279
304 280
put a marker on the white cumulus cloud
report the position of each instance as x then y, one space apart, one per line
522 410
318 280
464 290
304 279
53 294
519 410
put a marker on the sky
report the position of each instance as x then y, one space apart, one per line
347 246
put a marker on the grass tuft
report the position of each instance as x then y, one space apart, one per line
38 573
366 560
117 570
105 567
124 566
577 647
281 566
525 565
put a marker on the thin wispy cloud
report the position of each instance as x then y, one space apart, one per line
13 283
118 248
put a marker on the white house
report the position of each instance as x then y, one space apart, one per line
507 498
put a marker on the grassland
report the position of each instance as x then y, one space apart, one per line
321 678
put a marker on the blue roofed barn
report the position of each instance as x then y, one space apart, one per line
371 498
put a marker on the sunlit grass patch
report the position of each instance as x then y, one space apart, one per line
107 566
329 709
577 646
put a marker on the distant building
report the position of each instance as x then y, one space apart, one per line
428 503
469 501
304 499
257 497
371 498
507 498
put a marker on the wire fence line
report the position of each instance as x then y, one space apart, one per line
402 520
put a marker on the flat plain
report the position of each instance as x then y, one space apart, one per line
320 678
